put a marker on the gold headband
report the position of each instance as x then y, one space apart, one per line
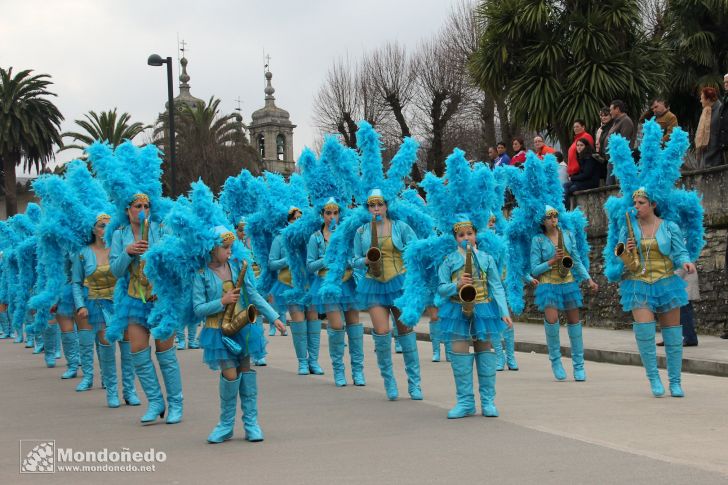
103 218
641 192
375 198
241 223
140 196
552 212
227 237
331 206
461 225
292 210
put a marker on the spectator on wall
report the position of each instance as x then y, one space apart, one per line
723 131
492 155
519 151
706 136
572 161
503 158
664 117
622 125
600 147
588 175
540 148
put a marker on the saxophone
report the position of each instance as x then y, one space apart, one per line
467 293
631 259
566 262
374 254
139 286
233 322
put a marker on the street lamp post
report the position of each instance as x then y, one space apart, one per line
156 60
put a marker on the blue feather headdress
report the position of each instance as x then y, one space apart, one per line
128 172
655 177
536 187
21 262
239 196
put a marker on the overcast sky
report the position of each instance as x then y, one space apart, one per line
96 50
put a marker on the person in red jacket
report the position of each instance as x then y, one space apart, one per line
572 158
540 148
519 151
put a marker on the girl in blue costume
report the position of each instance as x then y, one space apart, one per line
558 290
71 336
667 225
131 176
93 291
213 290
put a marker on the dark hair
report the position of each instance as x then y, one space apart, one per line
660 100
519 140
588 149
559 156
501 144
292 214
711 94
604 110
580 121
619 104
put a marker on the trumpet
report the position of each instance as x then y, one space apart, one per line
233 322
374 254
467 293
566 262
631 259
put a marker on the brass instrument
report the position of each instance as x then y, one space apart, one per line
467 293
566 262
374 254
233 322
139 286
631 259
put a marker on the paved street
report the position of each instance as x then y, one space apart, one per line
606 430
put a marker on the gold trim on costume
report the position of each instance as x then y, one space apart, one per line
641 192
227 237
460 225
103 218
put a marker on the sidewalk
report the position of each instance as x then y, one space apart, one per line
610 346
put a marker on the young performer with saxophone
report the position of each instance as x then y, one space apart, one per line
131 176
654 229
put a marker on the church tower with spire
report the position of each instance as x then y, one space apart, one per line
271 133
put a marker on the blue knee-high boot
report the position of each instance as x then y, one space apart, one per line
169 367
228 407
128 388
435 338
313 346
644 333
29 336
299 335
18 334
193 339
485 363
249 405
355 333
69 342
553 342
448 350
50 335
462 371
383 349
86 340
509 337
181 337
336 351
395 334
500 358
107 362
39 343
6 332
411 364
58 342
577 350
672 336
147 374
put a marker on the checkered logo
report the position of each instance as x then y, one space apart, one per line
37 456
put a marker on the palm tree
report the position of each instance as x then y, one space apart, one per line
107 126
560 60
29 127
209 145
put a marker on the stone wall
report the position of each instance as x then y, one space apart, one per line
604 310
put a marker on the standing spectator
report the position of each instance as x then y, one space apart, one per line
687 312
588 175
563 176
502 158
600 152
706 137
492 156
622 125
664 117
572 161
540 147
519 151
723 135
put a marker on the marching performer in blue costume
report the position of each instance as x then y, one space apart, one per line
549 244
654 229
380 234
132 178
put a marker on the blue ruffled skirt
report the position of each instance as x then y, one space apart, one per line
347 301
250 338
133 310
565 296
66 307
280 302
485 323
96 310
371 292
659 297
